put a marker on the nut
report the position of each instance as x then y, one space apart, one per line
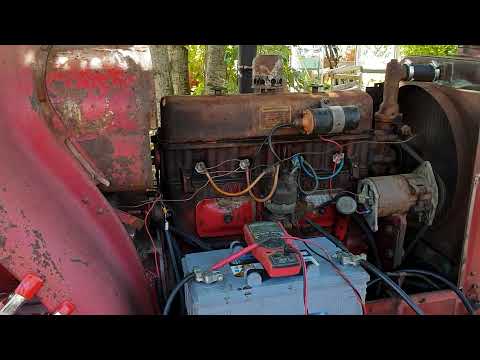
200 167
244 164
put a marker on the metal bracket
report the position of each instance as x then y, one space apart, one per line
207 277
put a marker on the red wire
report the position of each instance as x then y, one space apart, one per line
332 142
305 282
233 257
249 248
150 236
337 270
330 182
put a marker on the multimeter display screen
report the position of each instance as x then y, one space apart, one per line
270 234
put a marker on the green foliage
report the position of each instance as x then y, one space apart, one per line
196 68
300 80
428 50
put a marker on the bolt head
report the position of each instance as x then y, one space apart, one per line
200 167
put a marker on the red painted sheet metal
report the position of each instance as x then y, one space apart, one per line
444 302
54 222
104 96
224 216
470 269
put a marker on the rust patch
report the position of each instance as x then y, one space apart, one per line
3 239
77 260
231 203
40 256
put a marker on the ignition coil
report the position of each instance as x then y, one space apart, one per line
329 120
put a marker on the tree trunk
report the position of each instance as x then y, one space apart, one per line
161 75
178 55
216 69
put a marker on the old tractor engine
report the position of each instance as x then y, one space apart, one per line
267 202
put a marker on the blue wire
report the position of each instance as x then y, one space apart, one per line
313 176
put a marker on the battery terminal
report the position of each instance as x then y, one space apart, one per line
207 277
347 258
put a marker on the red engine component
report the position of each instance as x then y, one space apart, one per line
223 216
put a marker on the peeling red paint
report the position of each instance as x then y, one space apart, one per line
45 224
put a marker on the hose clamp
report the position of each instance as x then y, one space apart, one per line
436 67
410 70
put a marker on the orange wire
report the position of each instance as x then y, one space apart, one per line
242 192
272 191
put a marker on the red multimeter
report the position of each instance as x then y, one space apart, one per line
273 252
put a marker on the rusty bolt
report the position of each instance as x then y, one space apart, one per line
85 200
473 273
474 286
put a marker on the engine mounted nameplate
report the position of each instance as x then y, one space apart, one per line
271 116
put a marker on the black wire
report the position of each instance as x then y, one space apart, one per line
369 267
175 290
418 237
448 283
299 184
173 258
191 239
275 128
399 274
329 236
360 221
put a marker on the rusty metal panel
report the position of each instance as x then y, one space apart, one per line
54 222
219 118
104 100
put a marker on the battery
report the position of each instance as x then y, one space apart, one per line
328 292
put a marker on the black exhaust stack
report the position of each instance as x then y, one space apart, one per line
246 54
